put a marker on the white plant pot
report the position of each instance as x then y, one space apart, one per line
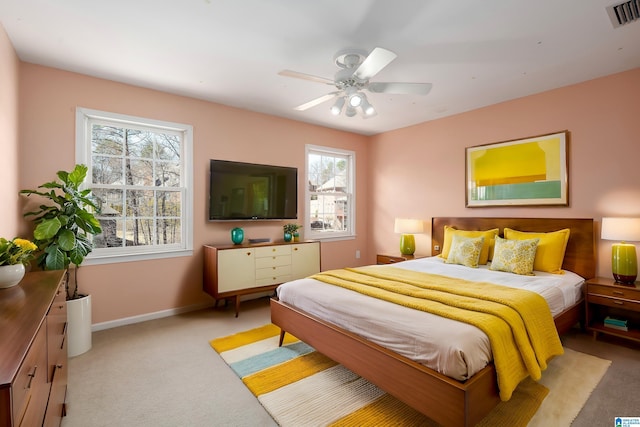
11 275
78 326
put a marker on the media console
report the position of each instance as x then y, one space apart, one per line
234 270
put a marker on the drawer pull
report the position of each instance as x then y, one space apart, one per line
248 253
392 261
295 249
31 376
618 302
618 293
273 250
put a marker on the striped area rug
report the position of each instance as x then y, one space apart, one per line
301 387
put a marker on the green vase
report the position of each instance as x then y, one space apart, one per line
288 237
237 235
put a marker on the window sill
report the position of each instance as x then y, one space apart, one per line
117 258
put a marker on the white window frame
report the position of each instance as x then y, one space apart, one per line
350 233
84 118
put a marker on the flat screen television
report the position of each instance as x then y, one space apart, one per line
249 191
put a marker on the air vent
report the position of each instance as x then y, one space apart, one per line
624 13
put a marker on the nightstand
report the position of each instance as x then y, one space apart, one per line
392 259
604 297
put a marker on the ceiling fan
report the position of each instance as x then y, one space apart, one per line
356 69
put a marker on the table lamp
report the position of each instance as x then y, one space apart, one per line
624 262
407 228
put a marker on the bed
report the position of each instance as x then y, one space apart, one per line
446 400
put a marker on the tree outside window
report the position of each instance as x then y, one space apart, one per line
140 177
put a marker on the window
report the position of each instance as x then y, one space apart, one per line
141 179
330 194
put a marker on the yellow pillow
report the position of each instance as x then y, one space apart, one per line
551 248
487 246
465 250
514 256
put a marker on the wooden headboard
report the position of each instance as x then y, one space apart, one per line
580 256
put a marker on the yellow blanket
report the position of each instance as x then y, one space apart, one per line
518 322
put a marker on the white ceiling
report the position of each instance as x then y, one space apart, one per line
476 53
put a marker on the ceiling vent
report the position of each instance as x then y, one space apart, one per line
624 13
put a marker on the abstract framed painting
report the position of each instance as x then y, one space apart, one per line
523 172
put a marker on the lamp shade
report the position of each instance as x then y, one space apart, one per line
624 261
408 226
621 229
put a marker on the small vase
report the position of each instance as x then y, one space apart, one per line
11 275
237 235
296 237
287 237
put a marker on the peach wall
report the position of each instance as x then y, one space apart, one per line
427 177
9 213
48 101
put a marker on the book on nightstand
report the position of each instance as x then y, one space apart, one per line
612 322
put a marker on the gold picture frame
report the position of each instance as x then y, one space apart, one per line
523 172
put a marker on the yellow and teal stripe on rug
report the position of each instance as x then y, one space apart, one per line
301 387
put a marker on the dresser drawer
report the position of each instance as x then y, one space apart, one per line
616 292
273 261
30 381
388 259
269 251
263 273
56 336
614 302
273 275
273 280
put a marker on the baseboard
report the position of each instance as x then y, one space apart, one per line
149 316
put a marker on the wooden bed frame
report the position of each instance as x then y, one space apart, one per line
443 399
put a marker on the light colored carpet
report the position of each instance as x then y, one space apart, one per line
289 380
164 373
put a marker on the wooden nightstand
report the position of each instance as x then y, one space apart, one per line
604 297
392 259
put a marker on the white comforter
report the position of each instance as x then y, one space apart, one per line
452 348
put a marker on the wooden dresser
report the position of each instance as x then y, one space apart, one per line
234 270
33 351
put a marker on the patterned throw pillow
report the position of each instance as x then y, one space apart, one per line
514 256
465 250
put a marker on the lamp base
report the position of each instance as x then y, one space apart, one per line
624 263
625 280
407 244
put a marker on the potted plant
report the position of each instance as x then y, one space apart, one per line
14 255
291 232
61 234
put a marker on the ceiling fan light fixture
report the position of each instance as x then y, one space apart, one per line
367 108
336 109
356 99
350 111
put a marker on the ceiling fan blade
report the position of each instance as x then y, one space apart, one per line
303 76
376 61
317 101
400 88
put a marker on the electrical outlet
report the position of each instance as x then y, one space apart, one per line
357 253
436 247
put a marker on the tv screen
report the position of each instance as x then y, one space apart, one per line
248 191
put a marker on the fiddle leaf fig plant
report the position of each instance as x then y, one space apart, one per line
62 227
